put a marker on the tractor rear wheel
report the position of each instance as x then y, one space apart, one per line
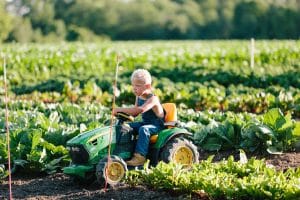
112 171
181 151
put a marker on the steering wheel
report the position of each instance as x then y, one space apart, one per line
124 117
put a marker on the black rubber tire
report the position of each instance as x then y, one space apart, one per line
101 170
170 150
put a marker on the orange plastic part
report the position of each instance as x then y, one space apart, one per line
153 139
171 112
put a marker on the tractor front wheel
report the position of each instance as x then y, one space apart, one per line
181 151
88 179
111 171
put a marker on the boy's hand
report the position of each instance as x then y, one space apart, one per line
115 111
116 91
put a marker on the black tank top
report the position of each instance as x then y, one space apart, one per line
149 117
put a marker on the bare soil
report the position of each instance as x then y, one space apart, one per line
60 186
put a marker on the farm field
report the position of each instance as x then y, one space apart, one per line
59 91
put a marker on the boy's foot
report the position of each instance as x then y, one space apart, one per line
136 160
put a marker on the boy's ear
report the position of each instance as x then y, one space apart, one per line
148 86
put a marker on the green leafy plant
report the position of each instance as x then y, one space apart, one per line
227 179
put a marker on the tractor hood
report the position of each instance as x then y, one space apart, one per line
92 136
90 146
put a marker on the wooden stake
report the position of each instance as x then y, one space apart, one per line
7 128
111 121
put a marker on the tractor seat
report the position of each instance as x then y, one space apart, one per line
170 114
170 118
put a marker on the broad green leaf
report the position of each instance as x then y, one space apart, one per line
3 148
274 118
212 144
296 130
61 150
288 126
42 121
52 166
230 131
221 132
36 138
261 131
200 136
250 144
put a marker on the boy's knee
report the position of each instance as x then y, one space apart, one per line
144 130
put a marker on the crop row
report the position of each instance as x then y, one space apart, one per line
228 179
206 96
33 64
204 75
39 131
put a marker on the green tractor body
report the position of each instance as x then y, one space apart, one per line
89 151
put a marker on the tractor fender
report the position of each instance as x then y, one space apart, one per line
173 133
177 134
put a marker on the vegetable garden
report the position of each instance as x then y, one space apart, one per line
58 91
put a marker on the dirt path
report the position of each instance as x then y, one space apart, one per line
60 186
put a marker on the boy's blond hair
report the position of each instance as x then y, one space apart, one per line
142 75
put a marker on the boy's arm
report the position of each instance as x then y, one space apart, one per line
149 104
134 111
154 104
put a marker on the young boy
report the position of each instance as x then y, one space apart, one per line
149 106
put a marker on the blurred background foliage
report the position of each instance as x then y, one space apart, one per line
96 20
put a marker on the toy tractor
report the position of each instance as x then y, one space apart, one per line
89 150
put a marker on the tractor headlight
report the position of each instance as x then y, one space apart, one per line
78 154
75 149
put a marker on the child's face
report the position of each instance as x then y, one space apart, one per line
139 87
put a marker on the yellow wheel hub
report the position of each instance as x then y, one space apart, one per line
115 172
183 155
